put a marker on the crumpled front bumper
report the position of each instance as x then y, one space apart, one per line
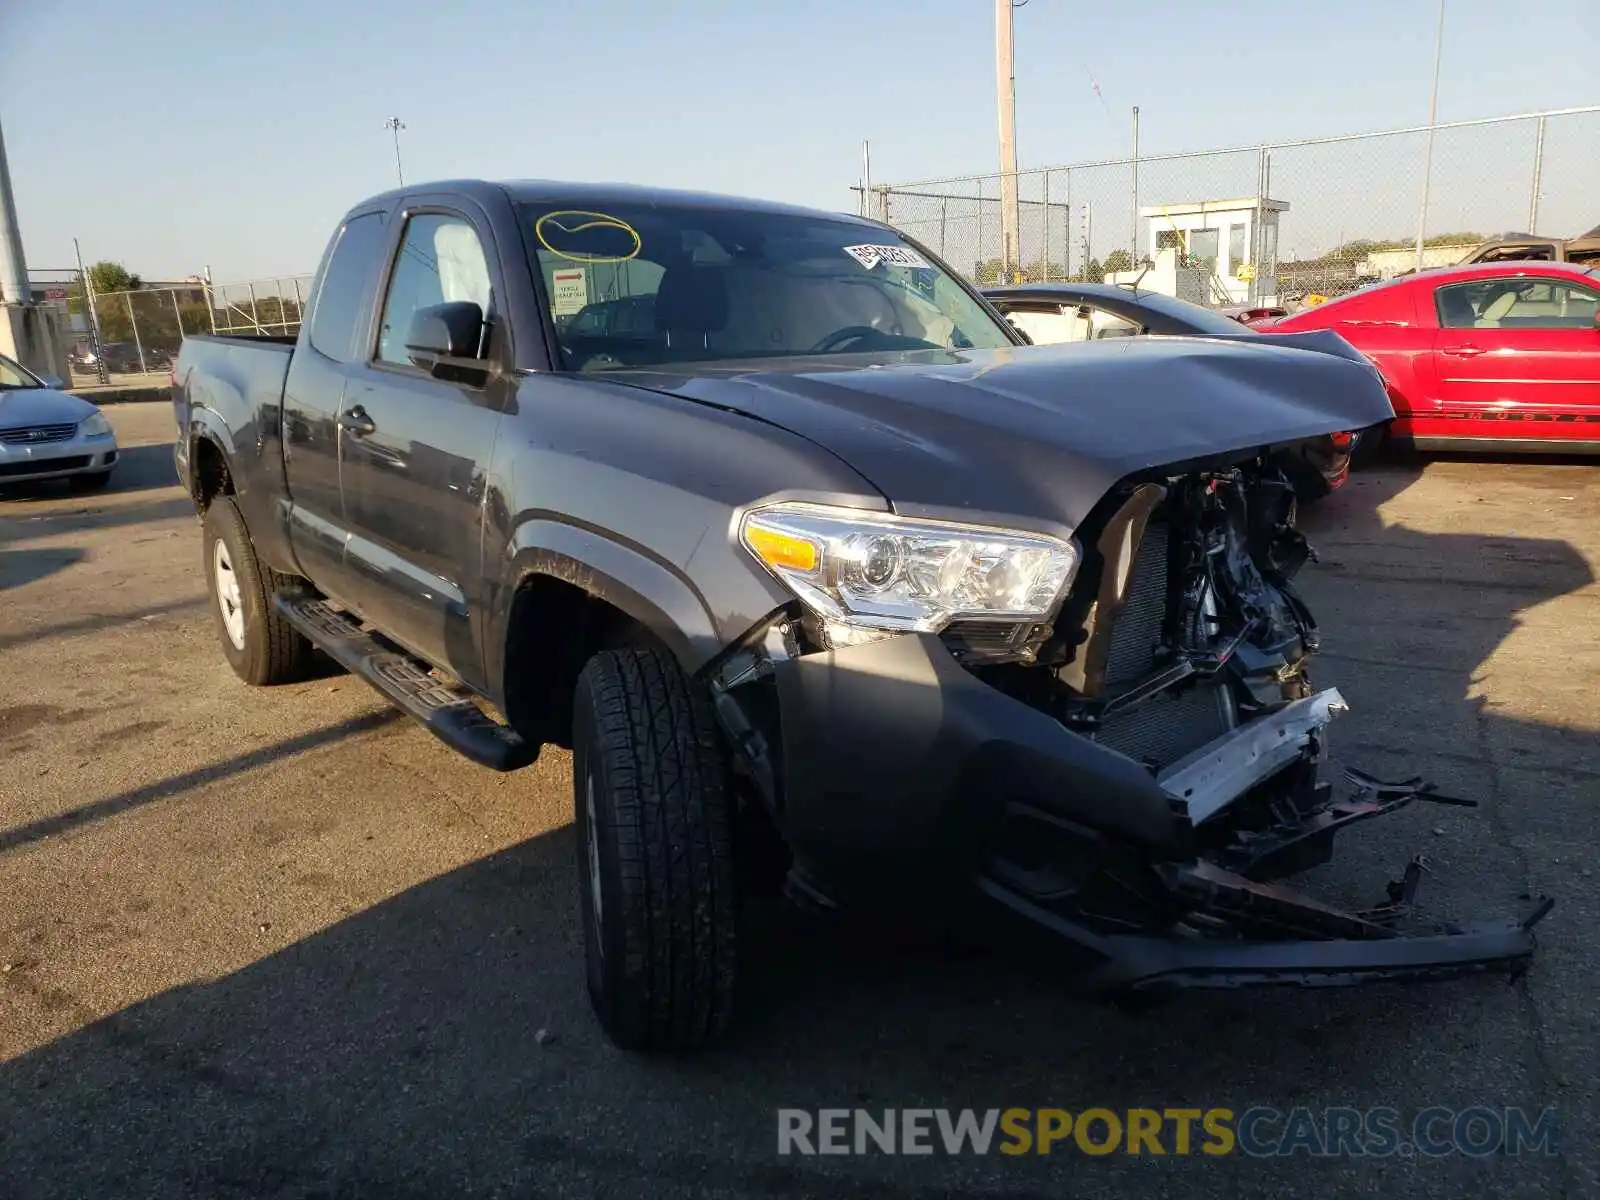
902 770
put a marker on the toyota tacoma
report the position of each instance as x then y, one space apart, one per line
832 584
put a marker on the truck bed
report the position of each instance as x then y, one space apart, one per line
231 379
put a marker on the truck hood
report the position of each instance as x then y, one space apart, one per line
40 406
1035 436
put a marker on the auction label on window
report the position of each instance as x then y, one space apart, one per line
895 256
569 291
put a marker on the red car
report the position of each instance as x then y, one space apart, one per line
1253 314
1502 356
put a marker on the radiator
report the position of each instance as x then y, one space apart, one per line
1164 728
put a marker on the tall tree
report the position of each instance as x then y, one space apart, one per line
106 276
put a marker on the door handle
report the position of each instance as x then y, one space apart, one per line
1466 351
354 421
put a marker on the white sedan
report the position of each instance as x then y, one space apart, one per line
46 433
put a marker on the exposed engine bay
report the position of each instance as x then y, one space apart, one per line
1132 775
1182 622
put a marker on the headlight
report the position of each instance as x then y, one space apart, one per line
95 425
876 571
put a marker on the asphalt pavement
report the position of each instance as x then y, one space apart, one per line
283 943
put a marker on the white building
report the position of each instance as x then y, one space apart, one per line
1220 238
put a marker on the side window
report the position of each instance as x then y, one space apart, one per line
1047 326
341 302
1103 324
1517 303
441 259
1520 253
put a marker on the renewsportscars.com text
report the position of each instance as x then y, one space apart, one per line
1259 1131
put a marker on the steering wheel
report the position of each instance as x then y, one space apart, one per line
843 337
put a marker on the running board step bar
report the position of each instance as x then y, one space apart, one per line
446 709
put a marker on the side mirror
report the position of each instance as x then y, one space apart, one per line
446 336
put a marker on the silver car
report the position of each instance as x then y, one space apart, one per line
46 433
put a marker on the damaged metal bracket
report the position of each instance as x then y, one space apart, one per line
1222 770
1415 788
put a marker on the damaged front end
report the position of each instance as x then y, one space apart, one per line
1134 776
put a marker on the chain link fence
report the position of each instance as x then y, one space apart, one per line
138 332
1272 223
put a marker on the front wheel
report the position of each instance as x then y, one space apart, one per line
260 645
655 852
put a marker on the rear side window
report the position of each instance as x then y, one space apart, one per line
341 304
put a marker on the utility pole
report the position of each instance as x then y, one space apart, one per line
14 287
1006 86
395 125
1133 241
1433 116
866 179
27 330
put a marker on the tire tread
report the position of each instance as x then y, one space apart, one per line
668 808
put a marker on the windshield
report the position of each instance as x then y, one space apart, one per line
647 285
15 375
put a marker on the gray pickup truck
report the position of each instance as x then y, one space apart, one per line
835 587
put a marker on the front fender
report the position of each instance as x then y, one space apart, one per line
653 592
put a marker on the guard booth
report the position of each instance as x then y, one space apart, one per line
1233 242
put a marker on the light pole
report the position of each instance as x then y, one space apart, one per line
1433 115
1006 89
395 125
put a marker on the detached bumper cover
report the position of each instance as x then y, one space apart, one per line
901 766
1132 964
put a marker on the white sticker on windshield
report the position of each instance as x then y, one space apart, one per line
895 256
569 291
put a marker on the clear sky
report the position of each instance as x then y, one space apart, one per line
173 134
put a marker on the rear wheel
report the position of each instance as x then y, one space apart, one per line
260 645
655 852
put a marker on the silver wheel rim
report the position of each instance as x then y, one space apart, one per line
228 598
592 841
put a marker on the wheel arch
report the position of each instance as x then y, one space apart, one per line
570 593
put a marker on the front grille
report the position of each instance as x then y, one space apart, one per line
1167 726
37 435
43 466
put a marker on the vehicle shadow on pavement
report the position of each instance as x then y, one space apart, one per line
140 468
20 567
176 785
440 1043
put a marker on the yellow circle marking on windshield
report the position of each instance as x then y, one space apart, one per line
578 221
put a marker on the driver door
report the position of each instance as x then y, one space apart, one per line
415 462
1518 343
